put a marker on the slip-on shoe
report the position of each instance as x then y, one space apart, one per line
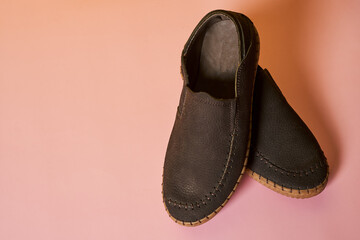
285 156
210 140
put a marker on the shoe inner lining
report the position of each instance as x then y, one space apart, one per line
219 60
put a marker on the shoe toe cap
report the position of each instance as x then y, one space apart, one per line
306 177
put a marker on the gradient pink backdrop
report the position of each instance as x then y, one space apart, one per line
88 95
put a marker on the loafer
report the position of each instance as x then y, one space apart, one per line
210 140
285 156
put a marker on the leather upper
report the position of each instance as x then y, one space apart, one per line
208 144
199 155
283 149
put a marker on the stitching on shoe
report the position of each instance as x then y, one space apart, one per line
217 188
183 104
299 173
220 182
300 193
241 174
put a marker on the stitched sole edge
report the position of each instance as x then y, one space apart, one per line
289 192
211 215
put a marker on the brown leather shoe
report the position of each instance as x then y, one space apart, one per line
285 155
210 140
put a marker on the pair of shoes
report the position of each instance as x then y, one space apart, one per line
231 119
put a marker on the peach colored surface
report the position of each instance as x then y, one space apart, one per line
88 95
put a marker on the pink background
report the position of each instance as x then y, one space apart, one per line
88 95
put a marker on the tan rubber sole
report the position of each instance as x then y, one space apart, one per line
289 192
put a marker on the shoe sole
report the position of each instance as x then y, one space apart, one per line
289 192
